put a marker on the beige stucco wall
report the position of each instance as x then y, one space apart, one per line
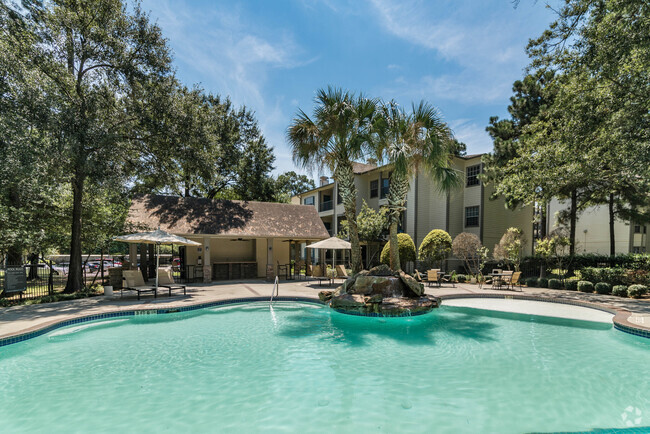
498 219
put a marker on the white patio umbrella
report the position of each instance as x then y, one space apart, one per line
334 243
156 237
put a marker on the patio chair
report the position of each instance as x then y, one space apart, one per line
341 273
166 280
432 277
416 275
133 281
515 280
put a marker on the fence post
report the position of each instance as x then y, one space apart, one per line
50 281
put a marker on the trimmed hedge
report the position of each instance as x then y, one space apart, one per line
620 290
571 285
636 291
554 284
406 248
531 282
585 286
603 288
542 282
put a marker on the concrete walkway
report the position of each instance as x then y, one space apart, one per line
19 320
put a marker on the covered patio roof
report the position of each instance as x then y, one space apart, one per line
227 218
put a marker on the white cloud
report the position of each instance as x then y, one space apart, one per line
475 136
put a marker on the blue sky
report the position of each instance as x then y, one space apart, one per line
461 56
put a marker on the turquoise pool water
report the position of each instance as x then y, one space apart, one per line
302 368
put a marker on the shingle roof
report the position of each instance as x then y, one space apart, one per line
359 168
191 215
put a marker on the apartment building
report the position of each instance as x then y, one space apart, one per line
466 209
592 230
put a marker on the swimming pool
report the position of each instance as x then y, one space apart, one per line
301 367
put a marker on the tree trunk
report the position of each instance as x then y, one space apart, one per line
33 267
543 220
394 247
75 279
345 178
612 238
396 200
572 223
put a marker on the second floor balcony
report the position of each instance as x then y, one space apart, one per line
326 206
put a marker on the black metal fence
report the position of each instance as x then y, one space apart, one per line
43 279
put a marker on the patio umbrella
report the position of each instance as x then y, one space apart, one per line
334 243
156 237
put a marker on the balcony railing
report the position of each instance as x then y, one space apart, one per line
325 206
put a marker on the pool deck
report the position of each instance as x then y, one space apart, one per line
632 316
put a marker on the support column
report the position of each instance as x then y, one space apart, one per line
270 268
207 268
133 257
307 258
152 261
296 259
144 262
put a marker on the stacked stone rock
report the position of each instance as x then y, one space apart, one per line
380 292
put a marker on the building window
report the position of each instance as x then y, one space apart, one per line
472 175
385 186
338 196
640 229
471 216
309 200
374 188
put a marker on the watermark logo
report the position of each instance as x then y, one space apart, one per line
632 416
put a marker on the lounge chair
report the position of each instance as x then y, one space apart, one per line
341 273
166 280
133 281
432 277
317 273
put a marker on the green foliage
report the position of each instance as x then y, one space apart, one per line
571 285
542 282
603 288
554 284
406 249
585 286
510 247
620 290
290 184
613 276
436 246
371 224
637 291
531 282
461 278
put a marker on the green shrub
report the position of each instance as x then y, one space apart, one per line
461 278
531 282
406 250
620 290
636 291
571 285
542 282
585 286
436 246
554 284
603 288
613 276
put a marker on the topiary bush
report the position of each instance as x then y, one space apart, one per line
461 278
554 284
620 290
406 250
542 282
585 286
636 291
603 288
571 285
436 246
531 282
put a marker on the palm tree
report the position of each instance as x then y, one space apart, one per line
338 134
410 141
